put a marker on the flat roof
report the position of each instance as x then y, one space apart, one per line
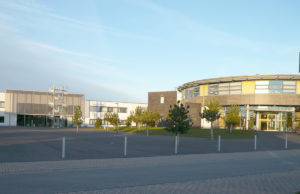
38 92
240 78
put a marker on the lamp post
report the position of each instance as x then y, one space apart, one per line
117 117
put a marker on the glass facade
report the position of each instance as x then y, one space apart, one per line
231 88
192 92
267 118
275 87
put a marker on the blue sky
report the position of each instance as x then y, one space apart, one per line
119 50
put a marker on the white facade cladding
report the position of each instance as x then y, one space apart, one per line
4 116
97 109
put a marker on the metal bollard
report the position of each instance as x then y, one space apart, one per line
176 140
125 146
286 141
219 144
255 140
63 151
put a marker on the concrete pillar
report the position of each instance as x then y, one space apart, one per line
257 121
248 117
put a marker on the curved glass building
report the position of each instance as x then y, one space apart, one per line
267 102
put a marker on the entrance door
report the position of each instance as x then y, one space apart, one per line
271 122
263 125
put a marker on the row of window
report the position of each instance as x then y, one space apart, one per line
108 109
275 87
92 122
261 87
225 88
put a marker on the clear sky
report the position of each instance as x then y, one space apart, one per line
119 50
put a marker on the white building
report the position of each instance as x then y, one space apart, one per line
4 116
97 109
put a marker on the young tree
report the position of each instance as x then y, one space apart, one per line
211 113
112 118
98 123
129 120
149 118
178 121
115 121
77 118
107 117
138 117
233 117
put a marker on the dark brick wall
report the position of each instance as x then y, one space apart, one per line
194 110
170 98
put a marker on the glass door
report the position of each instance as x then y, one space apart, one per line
271 122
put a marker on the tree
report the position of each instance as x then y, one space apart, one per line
112 118
233 117
178 121
129 120
98 123
107 117
138 117
115 120
77 118
149 118
211 113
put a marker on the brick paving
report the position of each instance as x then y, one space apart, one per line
286 182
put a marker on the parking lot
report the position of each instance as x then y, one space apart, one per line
45 144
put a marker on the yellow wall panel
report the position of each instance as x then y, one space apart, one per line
248 87
204 90
298 87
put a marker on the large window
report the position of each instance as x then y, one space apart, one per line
213 89
95 109
2 104
107 109
123 110
92 121
110 109
275 87
192 92
1 119
225 88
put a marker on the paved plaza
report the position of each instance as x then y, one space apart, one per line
31 163
243 172
45 144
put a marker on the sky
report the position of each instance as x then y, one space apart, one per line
120 50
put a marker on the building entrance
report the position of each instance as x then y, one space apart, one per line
274 121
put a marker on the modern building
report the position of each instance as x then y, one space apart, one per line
97 109
37 108
268 102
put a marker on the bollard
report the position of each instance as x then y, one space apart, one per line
286 141
125 146
219 144
176 139
255 140
63 151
